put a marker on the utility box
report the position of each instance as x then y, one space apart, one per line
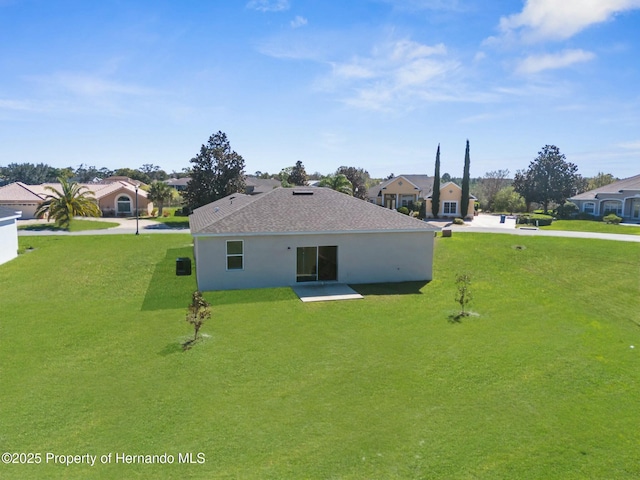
183 266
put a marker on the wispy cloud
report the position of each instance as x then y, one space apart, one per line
542 20
393 73
553 61
634 145
298 22
18 105
416 5
269 5
88 85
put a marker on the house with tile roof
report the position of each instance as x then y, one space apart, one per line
116 198
621 197
293 236
8 234
407 190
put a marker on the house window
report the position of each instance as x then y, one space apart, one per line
589 208
611 206
235 255
449 208
123 204
406 200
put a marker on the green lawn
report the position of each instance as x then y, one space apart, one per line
592 226
77 225
542 384
173 221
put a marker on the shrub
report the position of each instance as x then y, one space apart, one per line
154 212
535 219
585 216
404 210
458 221
612 218
566 211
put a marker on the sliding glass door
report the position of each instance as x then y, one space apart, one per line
317 264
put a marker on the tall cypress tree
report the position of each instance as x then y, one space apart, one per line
435 195
464 201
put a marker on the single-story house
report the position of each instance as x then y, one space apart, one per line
8 234
450 198
288 236
621 197
180 184
405 190
116 198
253 185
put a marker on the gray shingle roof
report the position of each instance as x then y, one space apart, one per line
631 183
298 210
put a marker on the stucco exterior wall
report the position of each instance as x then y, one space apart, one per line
627 201
450 192
407 188
270 260
108 203
8 240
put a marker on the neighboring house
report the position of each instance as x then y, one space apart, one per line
254 185
180 184
298 235
450 198
401 191
8 234
406 190
621 197
18 196
117 198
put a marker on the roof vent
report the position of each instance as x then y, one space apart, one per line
303 192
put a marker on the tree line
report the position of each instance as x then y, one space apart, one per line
217 171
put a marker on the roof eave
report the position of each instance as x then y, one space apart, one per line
321 232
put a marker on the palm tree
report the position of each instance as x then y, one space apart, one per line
70 202
339 183
159 193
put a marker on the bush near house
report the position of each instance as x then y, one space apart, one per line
567 211
612 218
536 219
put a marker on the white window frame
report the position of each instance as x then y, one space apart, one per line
234 255
131 207
618 211
449 203
589 204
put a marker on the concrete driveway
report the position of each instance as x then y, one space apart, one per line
491 224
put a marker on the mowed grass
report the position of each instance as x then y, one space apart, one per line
77 225
592 226
543 383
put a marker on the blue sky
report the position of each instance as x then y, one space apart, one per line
375 84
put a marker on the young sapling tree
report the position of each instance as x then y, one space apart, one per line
198 312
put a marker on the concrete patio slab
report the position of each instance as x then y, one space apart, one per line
327 292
